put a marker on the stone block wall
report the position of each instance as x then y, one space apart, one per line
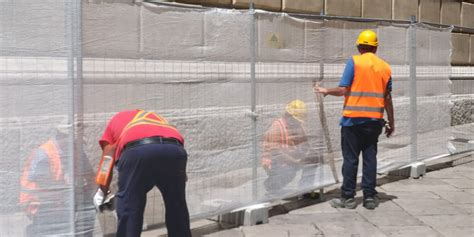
471 60
377 9
219 3
429 11
343 8
467 15
460 54
272 5
404 9
303 6
450 12
447 12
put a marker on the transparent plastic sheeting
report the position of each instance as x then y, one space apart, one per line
193 67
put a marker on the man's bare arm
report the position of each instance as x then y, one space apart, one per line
390 116
336 91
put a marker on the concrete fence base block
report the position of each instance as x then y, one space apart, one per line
417 170
414 170
256 215
234 218
247 216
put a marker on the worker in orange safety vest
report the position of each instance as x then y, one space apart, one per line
366 85
286 150
44 184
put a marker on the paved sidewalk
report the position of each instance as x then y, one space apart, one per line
439 204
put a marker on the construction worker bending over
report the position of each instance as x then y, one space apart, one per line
149 152
366 84
286 150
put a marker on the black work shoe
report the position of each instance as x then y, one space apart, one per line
371 203
348 203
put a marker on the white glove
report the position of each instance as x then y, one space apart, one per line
99 198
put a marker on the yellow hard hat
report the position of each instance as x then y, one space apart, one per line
367 37
297 109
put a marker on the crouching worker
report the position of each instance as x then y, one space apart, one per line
148 152
286 150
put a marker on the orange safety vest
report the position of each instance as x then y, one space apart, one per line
283 133
27 196
366 98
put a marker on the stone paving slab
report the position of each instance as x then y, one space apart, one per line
457 231
410 231
419 207
354 228
445 173
316 218
314 209
468 208
228 233
439 205
471 190
391 218
412 195
458 197
467 174
460 183
446 221
281 230
418 185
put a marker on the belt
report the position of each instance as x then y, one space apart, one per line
152 140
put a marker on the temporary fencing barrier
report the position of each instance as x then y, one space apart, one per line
222 77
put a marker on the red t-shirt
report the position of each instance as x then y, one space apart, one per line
113 131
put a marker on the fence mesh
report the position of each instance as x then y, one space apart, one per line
223 77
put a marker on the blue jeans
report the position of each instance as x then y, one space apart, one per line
354 140
140 169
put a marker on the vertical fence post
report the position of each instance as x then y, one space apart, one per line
71 25
253 101
140 28
321 78
413 105
78 112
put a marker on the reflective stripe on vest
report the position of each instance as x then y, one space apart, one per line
367 92
283 133
142 118
55 168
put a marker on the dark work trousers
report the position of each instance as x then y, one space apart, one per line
354 140
140 169
280 175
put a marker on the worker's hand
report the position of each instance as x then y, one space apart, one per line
266 163
389 129
99 198
319 89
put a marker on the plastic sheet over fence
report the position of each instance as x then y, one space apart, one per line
223 77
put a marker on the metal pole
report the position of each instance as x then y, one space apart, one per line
140 29
413 105
70 45
78 127
253 100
